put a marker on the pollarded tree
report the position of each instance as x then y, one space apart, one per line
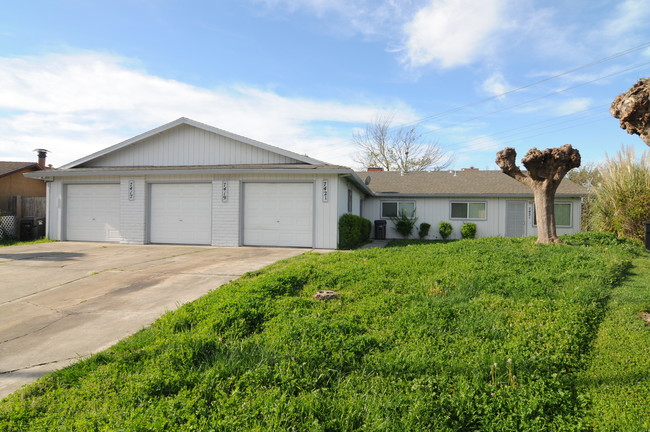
397 149
545 171
632 108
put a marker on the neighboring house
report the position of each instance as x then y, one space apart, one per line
13 183
20 196
189 183
496 203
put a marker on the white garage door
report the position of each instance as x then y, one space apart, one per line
93 212
278 214
181 213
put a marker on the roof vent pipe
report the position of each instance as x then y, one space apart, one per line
42 155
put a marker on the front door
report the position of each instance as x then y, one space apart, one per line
515 218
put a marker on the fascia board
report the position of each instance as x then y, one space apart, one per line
144 171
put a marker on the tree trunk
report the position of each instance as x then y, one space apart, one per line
545 172
545 213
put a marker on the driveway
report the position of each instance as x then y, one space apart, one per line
60 302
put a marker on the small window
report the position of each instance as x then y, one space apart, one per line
562 214
349 200
391 209
468 210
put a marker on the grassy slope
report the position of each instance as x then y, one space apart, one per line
471 335
618 379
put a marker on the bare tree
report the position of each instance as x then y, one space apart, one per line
632 108
397 149
546 169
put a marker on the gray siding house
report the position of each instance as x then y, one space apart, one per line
189 183
497 204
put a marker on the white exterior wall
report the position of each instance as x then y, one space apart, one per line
436 210
343 186
133 210
226 215
186 145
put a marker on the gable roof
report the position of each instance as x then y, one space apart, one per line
8 168
199 125
457 183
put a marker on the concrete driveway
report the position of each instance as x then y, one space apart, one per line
60 302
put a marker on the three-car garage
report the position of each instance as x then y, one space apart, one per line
271 213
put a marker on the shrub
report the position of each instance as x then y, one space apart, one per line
468 230
353 231
621 202
424 230
445 229
404 224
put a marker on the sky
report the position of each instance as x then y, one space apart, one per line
474 76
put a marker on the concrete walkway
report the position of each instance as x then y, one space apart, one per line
60 302
375 244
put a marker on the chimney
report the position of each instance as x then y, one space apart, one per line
42 155
370 169
470 169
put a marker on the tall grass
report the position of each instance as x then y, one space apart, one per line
621 202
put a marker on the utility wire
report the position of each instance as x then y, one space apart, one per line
538 98
570 71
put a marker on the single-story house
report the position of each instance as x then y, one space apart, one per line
496 203
190 183
20 196
13 183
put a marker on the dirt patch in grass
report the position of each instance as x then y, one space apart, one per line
645 316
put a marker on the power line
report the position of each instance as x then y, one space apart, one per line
570 71
538 98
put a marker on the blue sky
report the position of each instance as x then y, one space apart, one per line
77 76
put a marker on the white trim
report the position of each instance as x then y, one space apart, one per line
468 202
397 201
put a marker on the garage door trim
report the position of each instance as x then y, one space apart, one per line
150 211
312 183
65 219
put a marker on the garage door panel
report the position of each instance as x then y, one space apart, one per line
278 214
181 213
93 212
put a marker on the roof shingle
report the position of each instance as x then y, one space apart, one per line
455 183
7 168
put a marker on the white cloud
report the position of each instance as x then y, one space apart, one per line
573 106
77 104
630 16
367 17
452 32
496 85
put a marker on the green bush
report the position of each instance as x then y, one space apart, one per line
423 231
366 229
353 231
404 224
468 230
445 229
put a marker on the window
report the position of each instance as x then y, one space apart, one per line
349 200
391 209
468 210
562 214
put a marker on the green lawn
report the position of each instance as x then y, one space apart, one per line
618 378
487 334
